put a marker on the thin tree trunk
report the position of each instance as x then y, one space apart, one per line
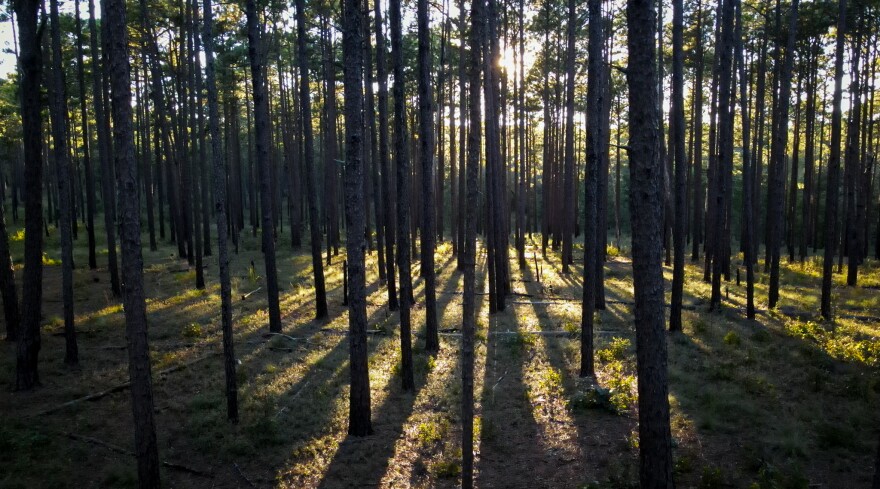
384 158
58 114
832 225
103 129
401 138
468 255
748 178
86 142
699 205
852 171
777 181
677 149
220 209
568 212
426 140
261 119
309 161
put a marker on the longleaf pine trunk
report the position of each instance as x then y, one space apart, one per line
134 299
401 139
261 122
58 116
646 209
426 140
677 150
832 224
468 255
229 362
31 66
352 51
309 162
595 94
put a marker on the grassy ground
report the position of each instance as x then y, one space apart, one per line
784 401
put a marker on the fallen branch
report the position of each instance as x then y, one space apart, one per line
119 387
293 398
241 474
245 296
123 451
291 338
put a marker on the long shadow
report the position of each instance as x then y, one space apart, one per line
597 431
794 410
363 461
509 434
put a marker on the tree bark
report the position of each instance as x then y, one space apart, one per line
31 67
568 212
58 114
748 177
388 204
401 138
426 140
103 129
677 149
832 225
777 180
352 50
134 299
308 161
595 96
468 255
229 362
87 157
261 120
646 210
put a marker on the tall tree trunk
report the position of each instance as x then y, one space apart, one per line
595 96
261 119
132 261
748 177
809 152
31 66
468 255
388 204
309 161
646 210
103 130
852 168
426 140
196 160
568 212
724 152
401 138
352 50
373 146
677 149
697 155
777 180
229 362
791 204
58 114
832 225
86 141
11 312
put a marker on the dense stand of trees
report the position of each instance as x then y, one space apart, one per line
498 124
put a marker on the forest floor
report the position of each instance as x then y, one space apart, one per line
783 401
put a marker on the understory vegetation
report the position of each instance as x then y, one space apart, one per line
784 401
